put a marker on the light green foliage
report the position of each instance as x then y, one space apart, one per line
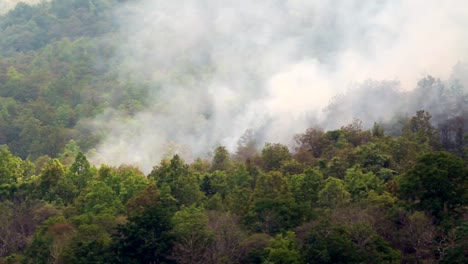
189 221
372 157
290 167
69 153
98 198
272 185
176 176
384 199
359 184
333 194
191 234
132 181
241 177
284 250
125 181
12 168
221 159
305 187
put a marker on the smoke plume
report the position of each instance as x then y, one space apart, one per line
218 68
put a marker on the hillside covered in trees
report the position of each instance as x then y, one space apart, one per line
389 185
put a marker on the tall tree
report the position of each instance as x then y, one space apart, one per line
437 184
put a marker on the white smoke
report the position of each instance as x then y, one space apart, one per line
218 68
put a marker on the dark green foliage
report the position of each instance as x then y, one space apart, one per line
88 252
176 177
145 238
272 215
437 184
327 244
459 252
335 244
273 155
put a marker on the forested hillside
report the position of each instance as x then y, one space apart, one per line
389 185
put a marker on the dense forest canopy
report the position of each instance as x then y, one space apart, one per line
137 131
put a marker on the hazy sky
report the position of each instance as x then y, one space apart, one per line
6 5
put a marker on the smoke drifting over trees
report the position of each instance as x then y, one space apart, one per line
215 69
305 131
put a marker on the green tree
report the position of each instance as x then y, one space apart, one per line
328 244
419 138
284 250
69 153
176 176
81 171
49 179
221 160
333 194
125 181
190 229
273 155
359 184
273 207
98 198
437 184
356 244
51 242
146 237
215 183
12 168
305 187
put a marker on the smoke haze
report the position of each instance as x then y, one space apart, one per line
7 5
218 68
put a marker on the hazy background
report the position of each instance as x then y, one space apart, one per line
218 68
6 5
